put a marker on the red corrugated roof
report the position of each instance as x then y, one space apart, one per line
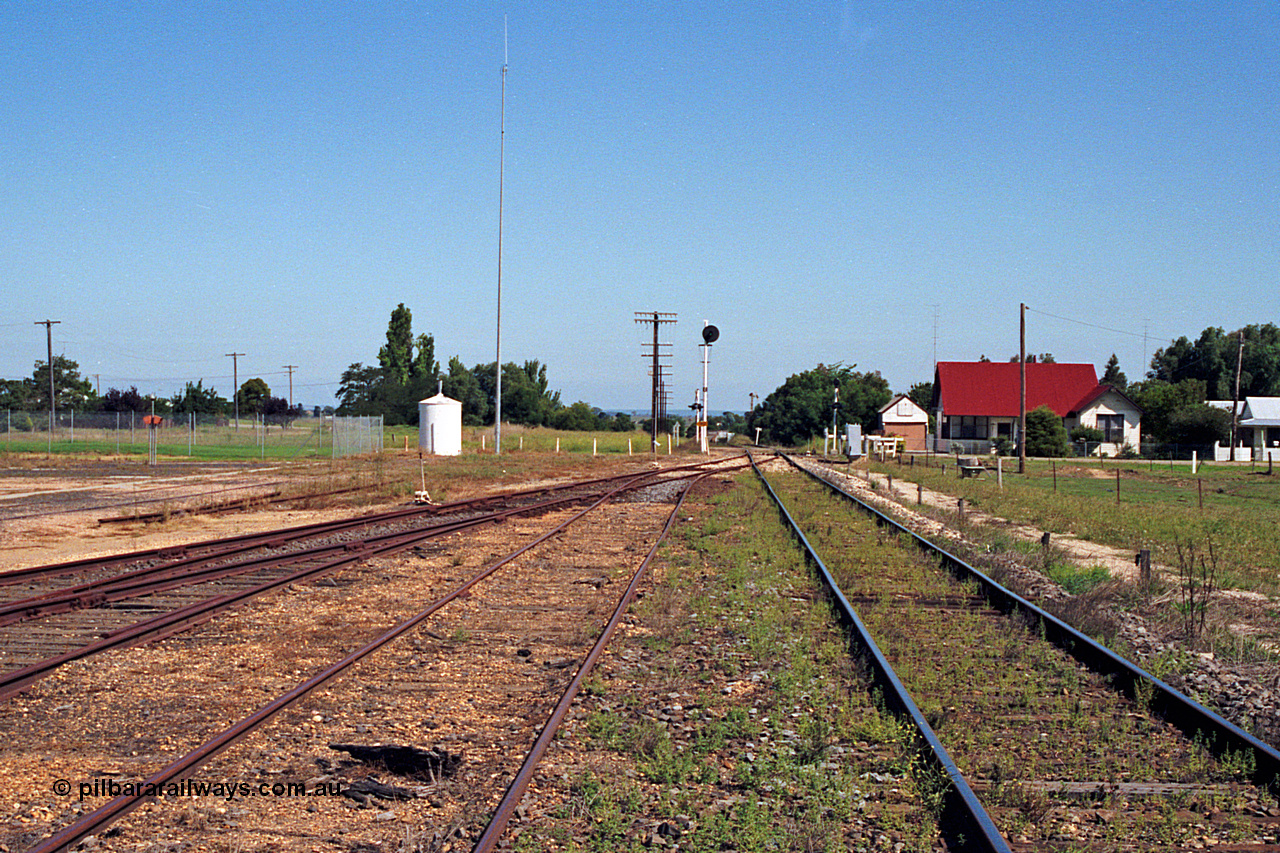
991 387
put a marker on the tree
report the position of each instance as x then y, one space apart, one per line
1046 436
622 423
921 394
579 416
425 367
1260 361
802 406
407 372
116 400
1032 358
72 392
1112 374
198 399
1212 359
358 388
462 385
526 394
729 422
1161 400
396 356
1199 424
14 394
251 396
276 410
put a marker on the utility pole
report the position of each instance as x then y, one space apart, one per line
48 329
1022 388
290 368
657 394
752 396
1235 397
235 382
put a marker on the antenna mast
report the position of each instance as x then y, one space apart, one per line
502 142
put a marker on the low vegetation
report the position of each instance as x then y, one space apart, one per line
731 717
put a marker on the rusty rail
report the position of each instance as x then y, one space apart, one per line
122 805
515 792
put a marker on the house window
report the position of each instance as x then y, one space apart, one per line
972 426
1112 427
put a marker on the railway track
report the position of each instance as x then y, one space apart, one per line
44 625
1046 740
561 592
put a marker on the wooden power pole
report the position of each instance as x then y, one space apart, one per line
1235 397
1022 388
657 318
48 329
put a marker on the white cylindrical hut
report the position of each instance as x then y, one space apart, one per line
440 425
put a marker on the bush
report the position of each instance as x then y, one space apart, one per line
1199 424
1089 435
1046 436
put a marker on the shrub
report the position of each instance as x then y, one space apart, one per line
1090 435
1046 435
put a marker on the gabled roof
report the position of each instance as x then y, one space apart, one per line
990 388
1102 391
1261 411
915 409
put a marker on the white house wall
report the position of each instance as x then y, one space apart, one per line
1113 404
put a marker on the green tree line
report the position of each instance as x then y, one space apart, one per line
75 393
408 371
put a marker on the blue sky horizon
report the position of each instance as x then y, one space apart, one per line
864 183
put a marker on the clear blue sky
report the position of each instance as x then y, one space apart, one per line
181 180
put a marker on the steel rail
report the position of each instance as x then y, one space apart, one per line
195 570
964 821
131 501
1180 710
223 547
488 840
175 621
283 535
122 805
230 545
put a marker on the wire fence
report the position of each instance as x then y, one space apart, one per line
353 436
1081 449
190 434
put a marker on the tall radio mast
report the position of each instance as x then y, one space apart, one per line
502 142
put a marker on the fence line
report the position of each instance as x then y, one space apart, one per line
356 435
177 433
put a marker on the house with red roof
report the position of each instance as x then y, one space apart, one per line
977 402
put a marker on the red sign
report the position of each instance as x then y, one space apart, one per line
152 420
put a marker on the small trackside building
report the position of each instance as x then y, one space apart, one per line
977 402
901 416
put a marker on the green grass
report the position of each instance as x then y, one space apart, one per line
306 442
1158 508
781 762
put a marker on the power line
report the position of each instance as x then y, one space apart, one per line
1090 325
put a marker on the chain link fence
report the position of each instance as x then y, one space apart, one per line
193 435
353 436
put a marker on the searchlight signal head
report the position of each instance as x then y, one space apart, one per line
710 334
